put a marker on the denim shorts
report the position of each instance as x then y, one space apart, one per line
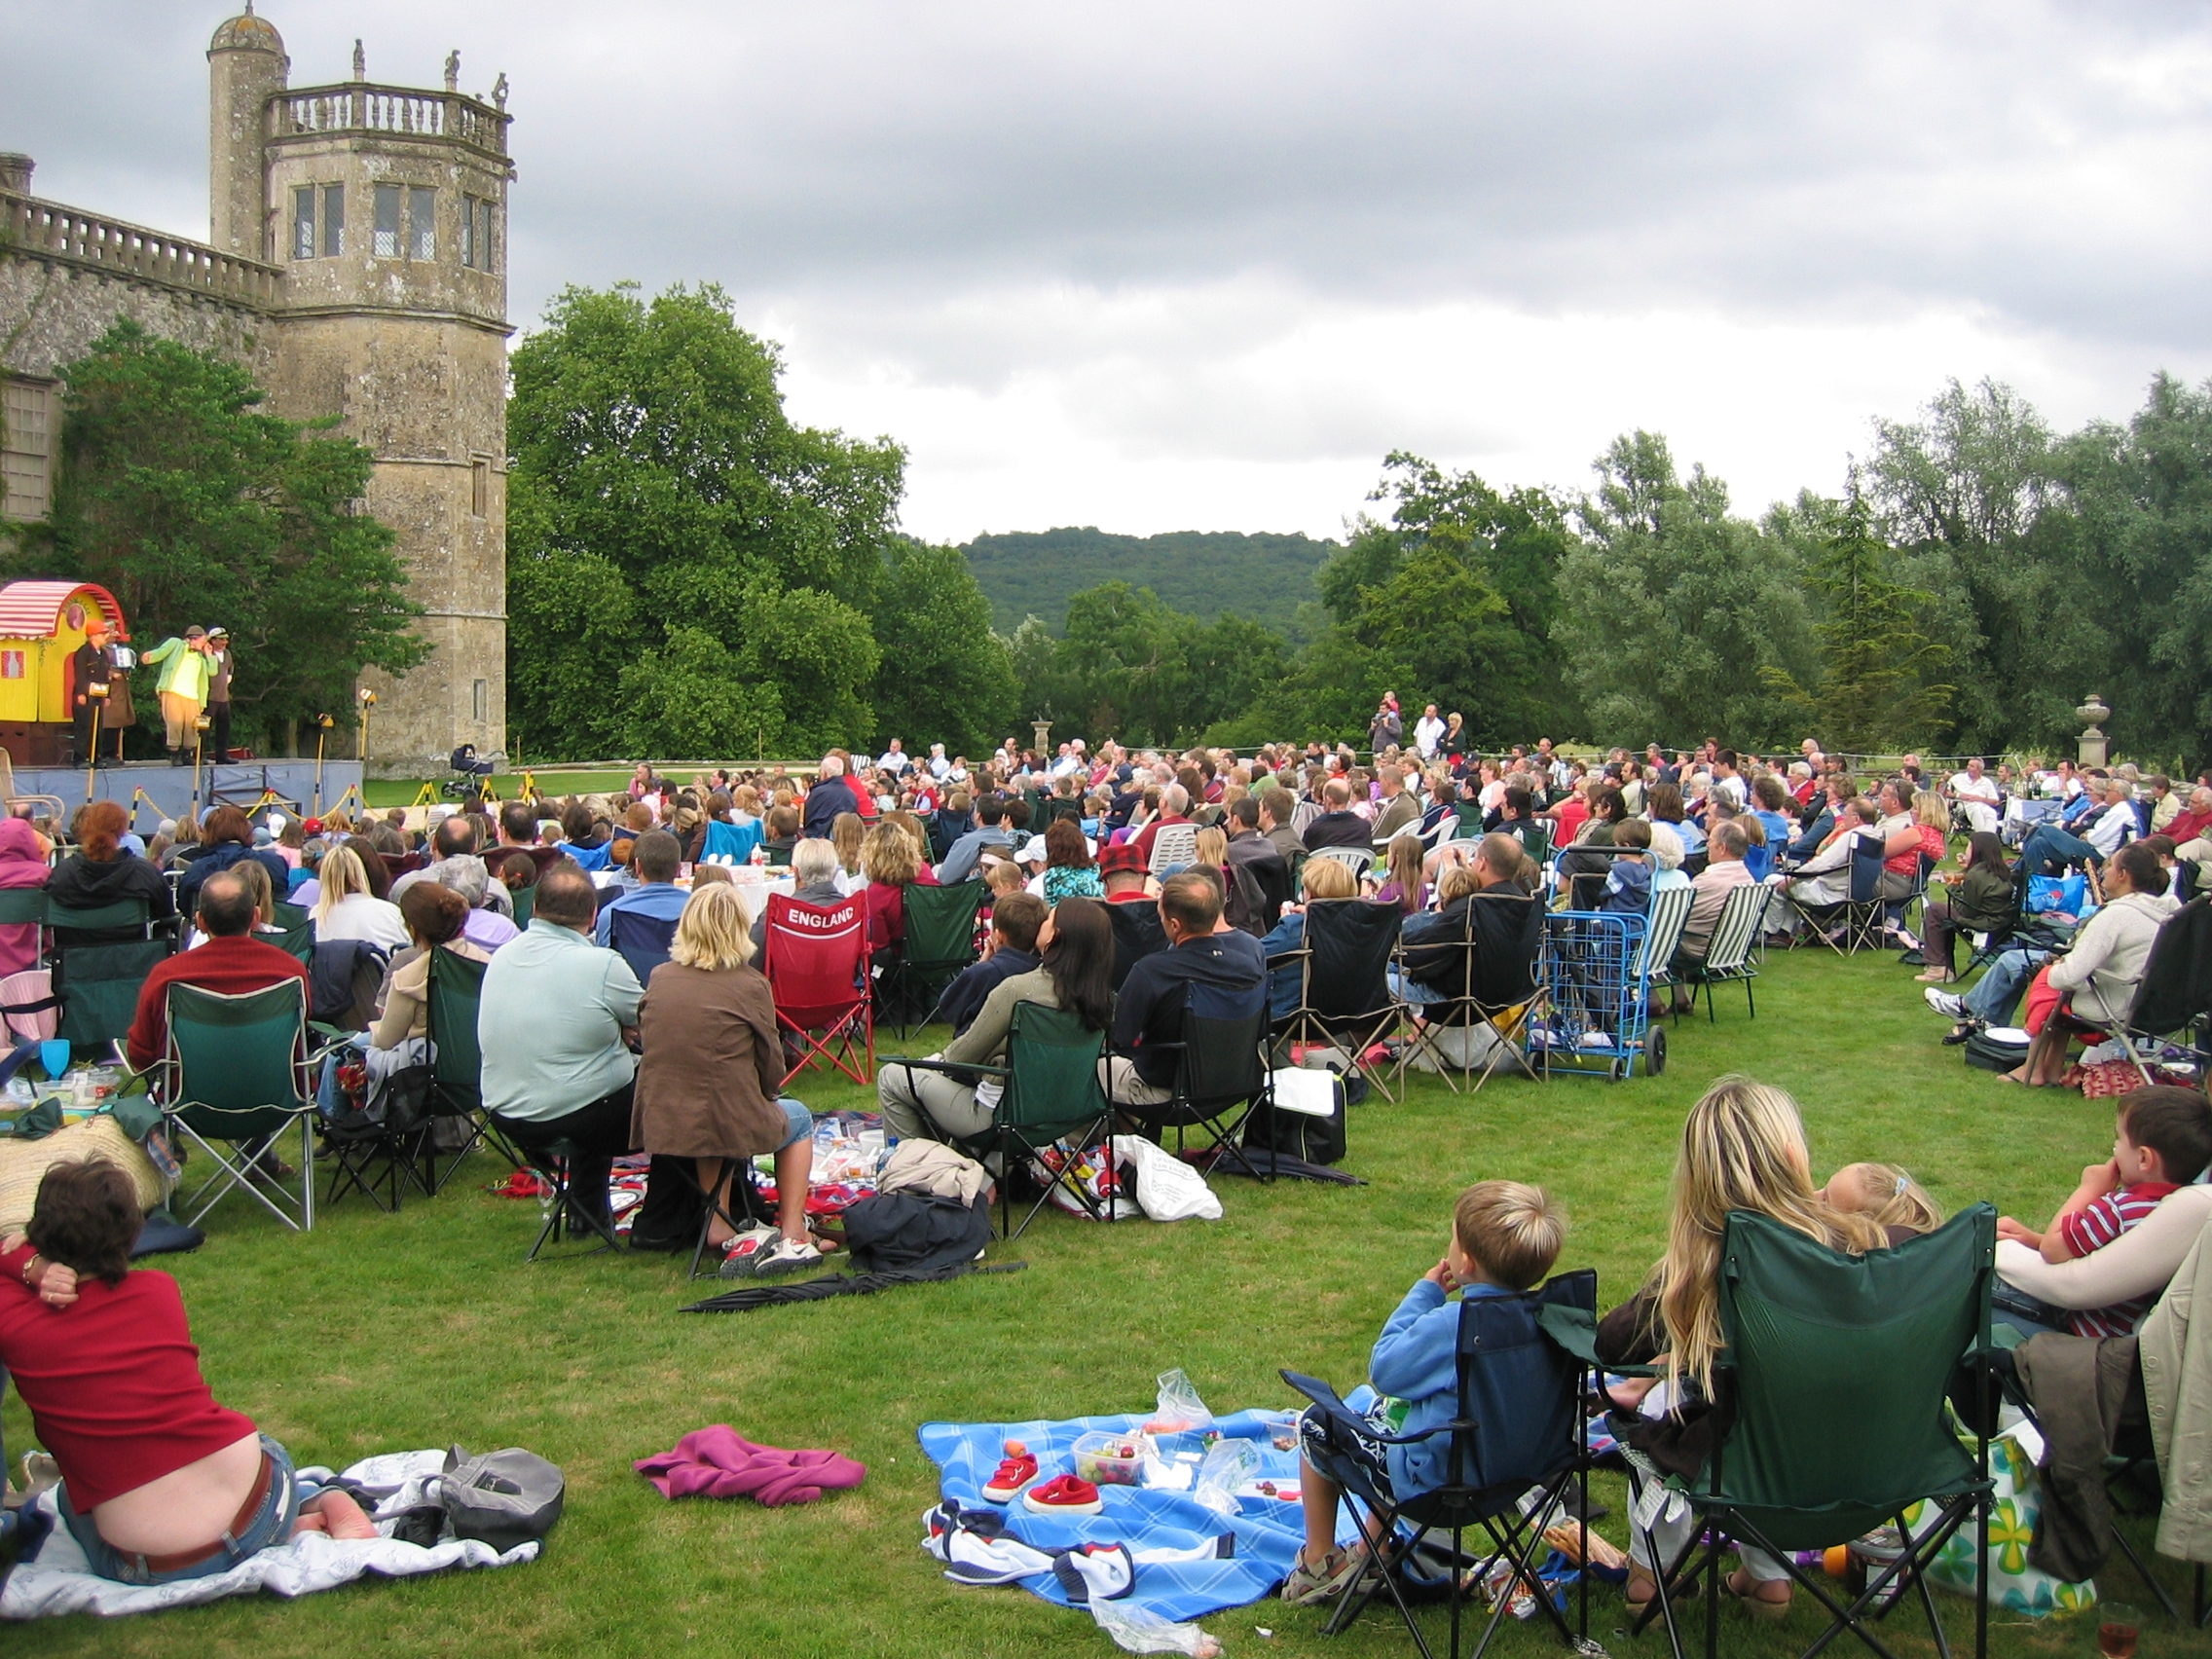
797 1119
271 1523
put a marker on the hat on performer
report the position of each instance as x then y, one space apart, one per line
218 633
196 632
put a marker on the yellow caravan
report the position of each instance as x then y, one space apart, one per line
42 623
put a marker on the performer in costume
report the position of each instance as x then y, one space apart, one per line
183 689
90 666
219 648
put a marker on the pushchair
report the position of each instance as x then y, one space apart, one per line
472 776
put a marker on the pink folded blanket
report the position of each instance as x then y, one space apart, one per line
721 1463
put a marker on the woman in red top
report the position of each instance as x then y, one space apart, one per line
890 860
159 1482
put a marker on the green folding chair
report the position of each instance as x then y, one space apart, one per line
21 904
238 1075
1834 1386
98 987
130 914
457 989
1052 1094
296 938
940 942
525 900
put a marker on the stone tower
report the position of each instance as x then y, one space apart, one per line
384 208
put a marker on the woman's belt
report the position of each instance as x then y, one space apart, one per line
154 1564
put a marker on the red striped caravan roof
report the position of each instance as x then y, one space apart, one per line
33 611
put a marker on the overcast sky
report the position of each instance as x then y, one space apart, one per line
1157 266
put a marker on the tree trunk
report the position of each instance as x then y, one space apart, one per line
291 725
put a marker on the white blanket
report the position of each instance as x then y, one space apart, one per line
60 1581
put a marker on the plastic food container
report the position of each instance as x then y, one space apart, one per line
1112 1460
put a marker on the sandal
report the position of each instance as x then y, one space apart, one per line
1339 1570
1751 1602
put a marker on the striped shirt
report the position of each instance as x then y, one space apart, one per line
2096 1225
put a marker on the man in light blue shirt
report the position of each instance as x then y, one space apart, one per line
551 1025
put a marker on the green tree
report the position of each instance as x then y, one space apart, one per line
191 505
2132 536
1877 690
657 482
1960 491
1451 601
944 677
1672 609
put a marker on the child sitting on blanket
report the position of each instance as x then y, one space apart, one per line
2164 1141
1506 1236
159 1482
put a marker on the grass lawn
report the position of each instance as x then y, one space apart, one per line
383 1331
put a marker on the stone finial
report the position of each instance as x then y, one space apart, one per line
500 91
16 173
453 70
360 63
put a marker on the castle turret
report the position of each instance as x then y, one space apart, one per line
389 212
246 64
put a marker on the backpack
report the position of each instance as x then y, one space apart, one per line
1998 1048
1300 1134
502 1498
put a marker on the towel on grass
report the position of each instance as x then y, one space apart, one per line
59 1580
1268 1529
721 1463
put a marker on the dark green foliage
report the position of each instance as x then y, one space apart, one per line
1877 693
192 506
690 574
1206 573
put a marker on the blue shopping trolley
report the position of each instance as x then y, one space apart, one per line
1597 993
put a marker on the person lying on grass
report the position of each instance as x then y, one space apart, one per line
1506 1236
159 1482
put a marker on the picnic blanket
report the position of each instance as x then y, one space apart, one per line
1266 1530
58 1580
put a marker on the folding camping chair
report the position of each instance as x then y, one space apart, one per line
817 965
98 985
1516 1450
940 942
1221 1067
1861 912
1137 934
1838 1370
240 1071
751 1208
2169 999
550 1161
1343 980
1668 915
641 940
1729 950
387 1153
456 1062
295 934
1489 974
1051 1097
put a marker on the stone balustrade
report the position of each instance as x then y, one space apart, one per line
48 229
357 107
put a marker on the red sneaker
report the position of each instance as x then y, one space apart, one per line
1069 1494
1016 1473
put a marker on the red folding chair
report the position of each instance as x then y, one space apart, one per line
817 965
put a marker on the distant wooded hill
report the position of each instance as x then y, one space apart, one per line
1205 573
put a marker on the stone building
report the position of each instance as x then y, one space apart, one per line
356 264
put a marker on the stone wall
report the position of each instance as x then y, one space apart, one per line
52 311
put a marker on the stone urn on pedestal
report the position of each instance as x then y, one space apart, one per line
2093 714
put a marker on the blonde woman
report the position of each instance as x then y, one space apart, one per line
709 1082
1742 1149
347 907
846 832
888 861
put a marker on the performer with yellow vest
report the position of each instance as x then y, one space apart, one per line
183 689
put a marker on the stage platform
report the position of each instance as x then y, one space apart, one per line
152 790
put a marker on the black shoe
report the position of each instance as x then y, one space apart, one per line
1960 1032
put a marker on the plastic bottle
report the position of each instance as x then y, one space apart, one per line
759 854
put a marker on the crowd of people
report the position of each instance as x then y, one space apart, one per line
625 1008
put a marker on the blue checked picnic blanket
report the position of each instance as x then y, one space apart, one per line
1268 1529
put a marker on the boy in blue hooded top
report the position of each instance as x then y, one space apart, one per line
1505 1237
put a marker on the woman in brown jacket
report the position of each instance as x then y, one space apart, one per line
707 1085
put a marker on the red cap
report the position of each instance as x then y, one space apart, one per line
1121 856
